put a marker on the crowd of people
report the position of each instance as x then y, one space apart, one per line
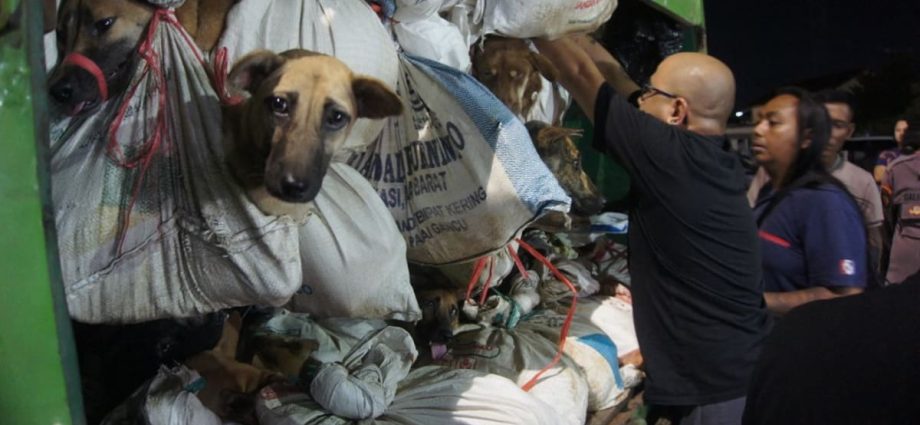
722 271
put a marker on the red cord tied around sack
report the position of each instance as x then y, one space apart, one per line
87 64
570 315
151 147
221 72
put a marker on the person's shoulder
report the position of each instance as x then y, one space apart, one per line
905 159
822 195
856 173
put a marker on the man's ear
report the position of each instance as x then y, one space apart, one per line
251 70
546 68
374 99
681 113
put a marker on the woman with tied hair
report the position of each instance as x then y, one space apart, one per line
811 230
901 197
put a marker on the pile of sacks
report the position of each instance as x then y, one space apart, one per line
151 224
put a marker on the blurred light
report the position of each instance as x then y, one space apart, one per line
739 114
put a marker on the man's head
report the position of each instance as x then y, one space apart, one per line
900 127
693 90
840 108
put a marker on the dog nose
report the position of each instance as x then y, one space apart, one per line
62 92
293 187
445 334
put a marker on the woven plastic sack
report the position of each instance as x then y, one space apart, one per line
436 39
457 170
519 354
166 399
544 18
352 254
348 30
150 224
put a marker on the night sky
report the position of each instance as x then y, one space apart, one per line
770 43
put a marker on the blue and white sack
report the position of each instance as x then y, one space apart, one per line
457 170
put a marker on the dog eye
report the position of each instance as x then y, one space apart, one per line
453 311
335 120
103 25
278 105
576 162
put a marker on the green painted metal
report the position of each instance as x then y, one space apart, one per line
39 382
689 12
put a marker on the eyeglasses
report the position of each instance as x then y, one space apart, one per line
649 91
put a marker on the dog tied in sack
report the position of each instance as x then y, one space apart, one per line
440 304
300 109
557 149
512 72
99 41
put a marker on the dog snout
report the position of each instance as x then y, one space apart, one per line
443 335
293 188
62 91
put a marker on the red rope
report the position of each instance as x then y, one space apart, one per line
477 272
517 262
151 147
564 332
488 284
221 72
87 64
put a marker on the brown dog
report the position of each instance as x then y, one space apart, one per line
512 72
301 107
440 304
560 154
107 33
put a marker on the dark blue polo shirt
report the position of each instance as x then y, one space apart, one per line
813 237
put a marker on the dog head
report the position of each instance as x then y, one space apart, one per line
98 40
440 304
512 72
302 106
440 318
560 154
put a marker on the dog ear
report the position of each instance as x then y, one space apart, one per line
374 99
251 70
546 68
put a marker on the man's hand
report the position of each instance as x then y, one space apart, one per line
577 72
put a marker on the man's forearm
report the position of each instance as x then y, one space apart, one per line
780 303
609 66
578 74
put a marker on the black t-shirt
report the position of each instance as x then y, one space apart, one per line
694 256
850 360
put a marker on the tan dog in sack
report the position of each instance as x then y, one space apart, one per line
301 107
512 71
98 41
557 149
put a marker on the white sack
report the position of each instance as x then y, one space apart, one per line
415 10
519 354
192 242
545 18
348 30
466 15
436 395
352 254
457 170
165 400
364 383
589 347
436 39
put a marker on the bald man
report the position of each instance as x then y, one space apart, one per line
694 253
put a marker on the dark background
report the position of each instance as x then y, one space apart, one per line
820 44
869 47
